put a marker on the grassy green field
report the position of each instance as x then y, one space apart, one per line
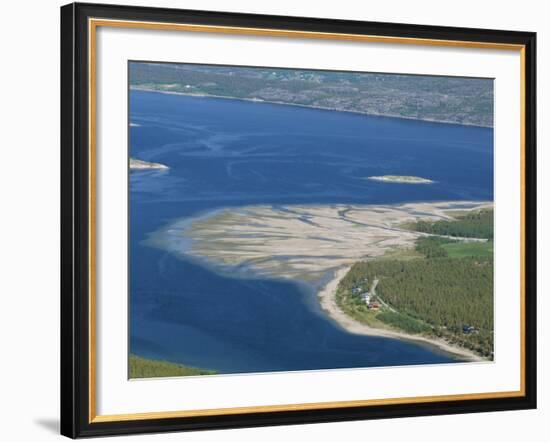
149 368
463 249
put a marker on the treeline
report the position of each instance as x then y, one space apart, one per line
476 224
442 292
430 246
446 294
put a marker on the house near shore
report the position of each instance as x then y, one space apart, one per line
366 297
468 329
374 306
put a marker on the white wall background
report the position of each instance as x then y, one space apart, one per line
29 225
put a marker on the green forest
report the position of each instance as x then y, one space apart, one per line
447 291
477 224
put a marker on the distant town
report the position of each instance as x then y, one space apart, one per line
457 100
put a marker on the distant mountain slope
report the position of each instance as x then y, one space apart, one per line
444 99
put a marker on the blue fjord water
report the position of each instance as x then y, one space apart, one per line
226 153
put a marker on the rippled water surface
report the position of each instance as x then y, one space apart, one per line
225 153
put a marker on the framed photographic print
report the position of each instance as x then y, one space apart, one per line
278 220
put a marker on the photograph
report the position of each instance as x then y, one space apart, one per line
285 219
274 220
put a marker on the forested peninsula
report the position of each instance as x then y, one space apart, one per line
442 288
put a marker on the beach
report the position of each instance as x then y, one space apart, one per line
311 244
327 299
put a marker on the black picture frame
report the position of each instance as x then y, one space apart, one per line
75 221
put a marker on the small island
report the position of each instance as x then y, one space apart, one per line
406 179
136 164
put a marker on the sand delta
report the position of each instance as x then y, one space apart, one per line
308 243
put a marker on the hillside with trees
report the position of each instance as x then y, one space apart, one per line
434 98
139 367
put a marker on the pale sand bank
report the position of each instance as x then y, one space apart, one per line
303 242
136 164
307 243
401 179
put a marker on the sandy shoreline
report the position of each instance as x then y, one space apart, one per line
308 242
327 299
253 100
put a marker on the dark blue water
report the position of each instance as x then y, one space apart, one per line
224 153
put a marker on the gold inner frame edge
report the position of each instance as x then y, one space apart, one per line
93 24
